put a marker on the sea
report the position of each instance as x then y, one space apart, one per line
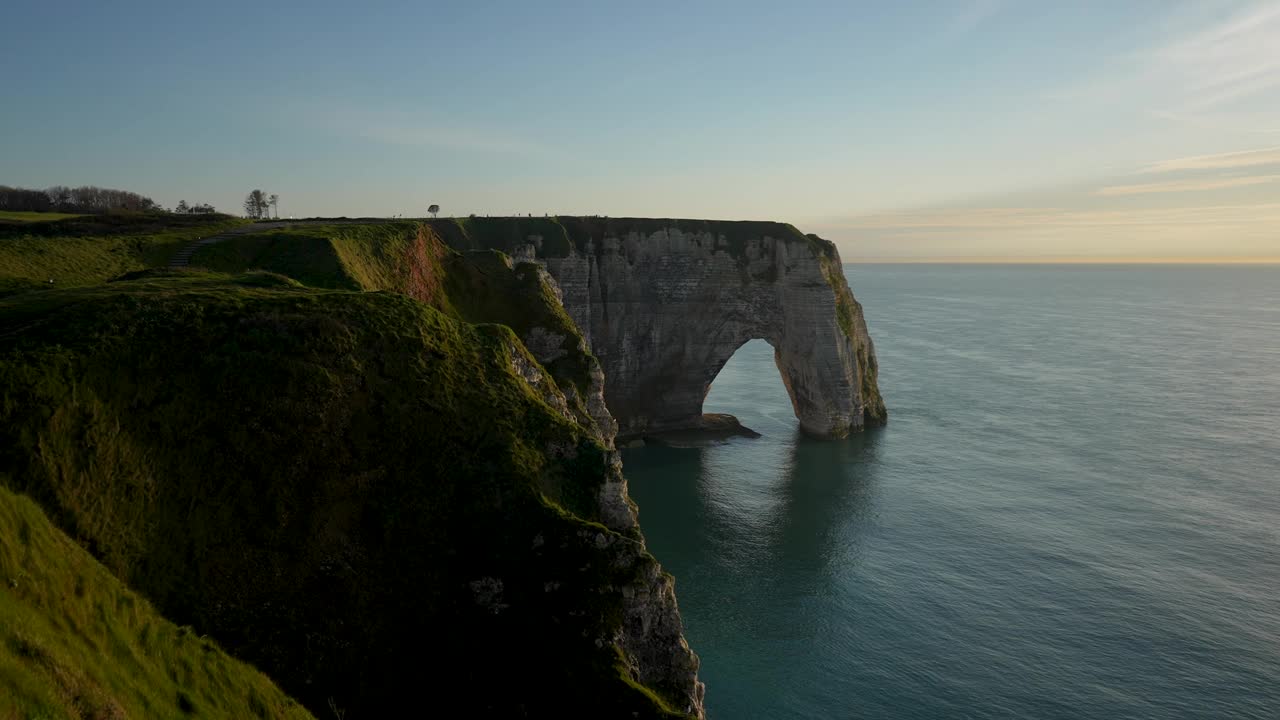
1073 512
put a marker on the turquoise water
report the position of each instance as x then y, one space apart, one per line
1073 513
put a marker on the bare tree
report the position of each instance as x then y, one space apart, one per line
433 210
275 202
255 204
182 208
60 196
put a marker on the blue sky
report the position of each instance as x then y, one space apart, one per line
974 128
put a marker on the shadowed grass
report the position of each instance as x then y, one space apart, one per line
14 216
354 491
409 258
75 643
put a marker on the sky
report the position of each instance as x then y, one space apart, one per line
971 129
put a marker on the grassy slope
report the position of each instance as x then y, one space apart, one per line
75 643
351 490
95 248
411 259
12 216
303 253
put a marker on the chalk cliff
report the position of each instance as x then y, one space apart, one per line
664 304
379 502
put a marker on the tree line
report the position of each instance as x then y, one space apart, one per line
183 208
83 199
258 204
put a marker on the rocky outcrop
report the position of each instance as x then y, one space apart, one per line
664 304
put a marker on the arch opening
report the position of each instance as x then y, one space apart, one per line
752 388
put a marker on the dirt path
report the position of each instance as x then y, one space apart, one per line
182 258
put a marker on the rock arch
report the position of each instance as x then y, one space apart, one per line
665 303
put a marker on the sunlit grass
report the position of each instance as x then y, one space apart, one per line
33 217
75 643
81 250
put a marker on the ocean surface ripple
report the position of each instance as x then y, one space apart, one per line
1073 513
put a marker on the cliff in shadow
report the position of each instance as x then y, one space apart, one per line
376 502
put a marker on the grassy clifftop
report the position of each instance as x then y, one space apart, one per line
80 250
412 259
75 643
364 496
561 234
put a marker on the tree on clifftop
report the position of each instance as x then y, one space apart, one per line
255 205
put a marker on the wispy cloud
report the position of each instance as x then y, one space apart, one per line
427 135
1234 60
417 130
972 16
1230 122
1223 72
1037 232
1177 186
1220 161
1009 218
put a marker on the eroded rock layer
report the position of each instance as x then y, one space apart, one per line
665 303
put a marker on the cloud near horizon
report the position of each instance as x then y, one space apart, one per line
1238 230
1110 219
1015 217
1191 185
1219 161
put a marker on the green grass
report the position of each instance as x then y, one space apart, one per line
409 258
11 216
558 235
303 253
75 643
353 491
83 250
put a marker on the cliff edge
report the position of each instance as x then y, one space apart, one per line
665 303
375 502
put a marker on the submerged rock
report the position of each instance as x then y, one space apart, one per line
715 428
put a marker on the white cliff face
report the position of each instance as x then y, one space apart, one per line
550 345
651 633
664 310
661 306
